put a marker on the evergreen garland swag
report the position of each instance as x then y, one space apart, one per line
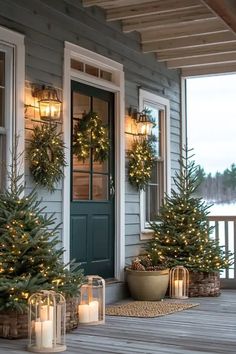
141 160
46 156
90 133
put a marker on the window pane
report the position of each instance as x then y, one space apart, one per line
77 65
81 186
152 202
2 88
100 187
2 107
2 69
2 161
91 70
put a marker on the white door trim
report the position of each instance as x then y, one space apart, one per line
117 87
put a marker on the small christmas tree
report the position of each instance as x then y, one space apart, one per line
30 259
181 233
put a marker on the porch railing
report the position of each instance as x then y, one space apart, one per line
225 232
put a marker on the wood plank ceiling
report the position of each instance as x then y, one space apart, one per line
196 36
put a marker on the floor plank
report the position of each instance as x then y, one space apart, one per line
209 328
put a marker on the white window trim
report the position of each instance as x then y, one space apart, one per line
164 104
16 113
72 51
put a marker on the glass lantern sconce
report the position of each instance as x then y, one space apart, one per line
49 103
144 122
179 282
92 301
46 322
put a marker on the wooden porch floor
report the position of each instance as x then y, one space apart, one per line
208 328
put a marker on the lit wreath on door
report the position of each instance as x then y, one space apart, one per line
90 133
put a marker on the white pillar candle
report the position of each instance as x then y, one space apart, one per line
46 313
38 333
47 334
93 311
178 284
84 313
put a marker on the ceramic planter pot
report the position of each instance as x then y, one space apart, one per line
147 285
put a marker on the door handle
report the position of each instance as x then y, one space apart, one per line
112 188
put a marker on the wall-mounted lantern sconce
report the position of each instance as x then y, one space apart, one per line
49 103
144 122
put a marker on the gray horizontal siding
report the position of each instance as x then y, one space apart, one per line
46 25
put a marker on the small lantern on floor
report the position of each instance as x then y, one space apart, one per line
179 283
92 301
47 314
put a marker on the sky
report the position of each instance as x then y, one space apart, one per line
211 121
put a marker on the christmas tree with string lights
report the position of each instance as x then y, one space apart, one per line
30 253
182 233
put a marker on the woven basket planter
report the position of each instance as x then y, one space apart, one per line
14 325
204 284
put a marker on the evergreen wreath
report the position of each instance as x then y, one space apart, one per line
90 133
141 161
46 156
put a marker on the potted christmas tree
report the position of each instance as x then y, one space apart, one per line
30 257
182 233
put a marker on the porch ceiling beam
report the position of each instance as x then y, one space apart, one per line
197 51
214 25
226 9
208 70
150 8
167 19
201 61
107 4
189 42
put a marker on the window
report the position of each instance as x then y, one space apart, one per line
12 78
6 70
152 198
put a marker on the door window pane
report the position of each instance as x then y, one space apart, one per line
100 187
100 167
81 190
101 108
81 104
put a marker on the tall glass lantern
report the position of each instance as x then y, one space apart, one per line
179 282
92 301
47 316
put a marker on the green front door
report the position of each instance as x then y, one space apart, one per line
92 187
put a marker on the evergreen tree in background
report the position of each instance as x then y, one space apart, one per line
30 259
181 236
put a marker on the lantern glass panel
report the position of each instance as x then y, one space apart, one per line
50 110
179 283
92 301
47 314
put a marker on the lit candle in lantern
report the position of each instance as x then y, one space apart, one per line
84 313
93 311
44 334
178 288
38 334
46 313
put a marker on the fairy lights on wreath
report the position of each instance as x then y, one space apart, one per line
90 133
46 156
141 160
142 153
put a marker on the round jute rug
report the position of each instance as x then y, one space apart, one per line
147 308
